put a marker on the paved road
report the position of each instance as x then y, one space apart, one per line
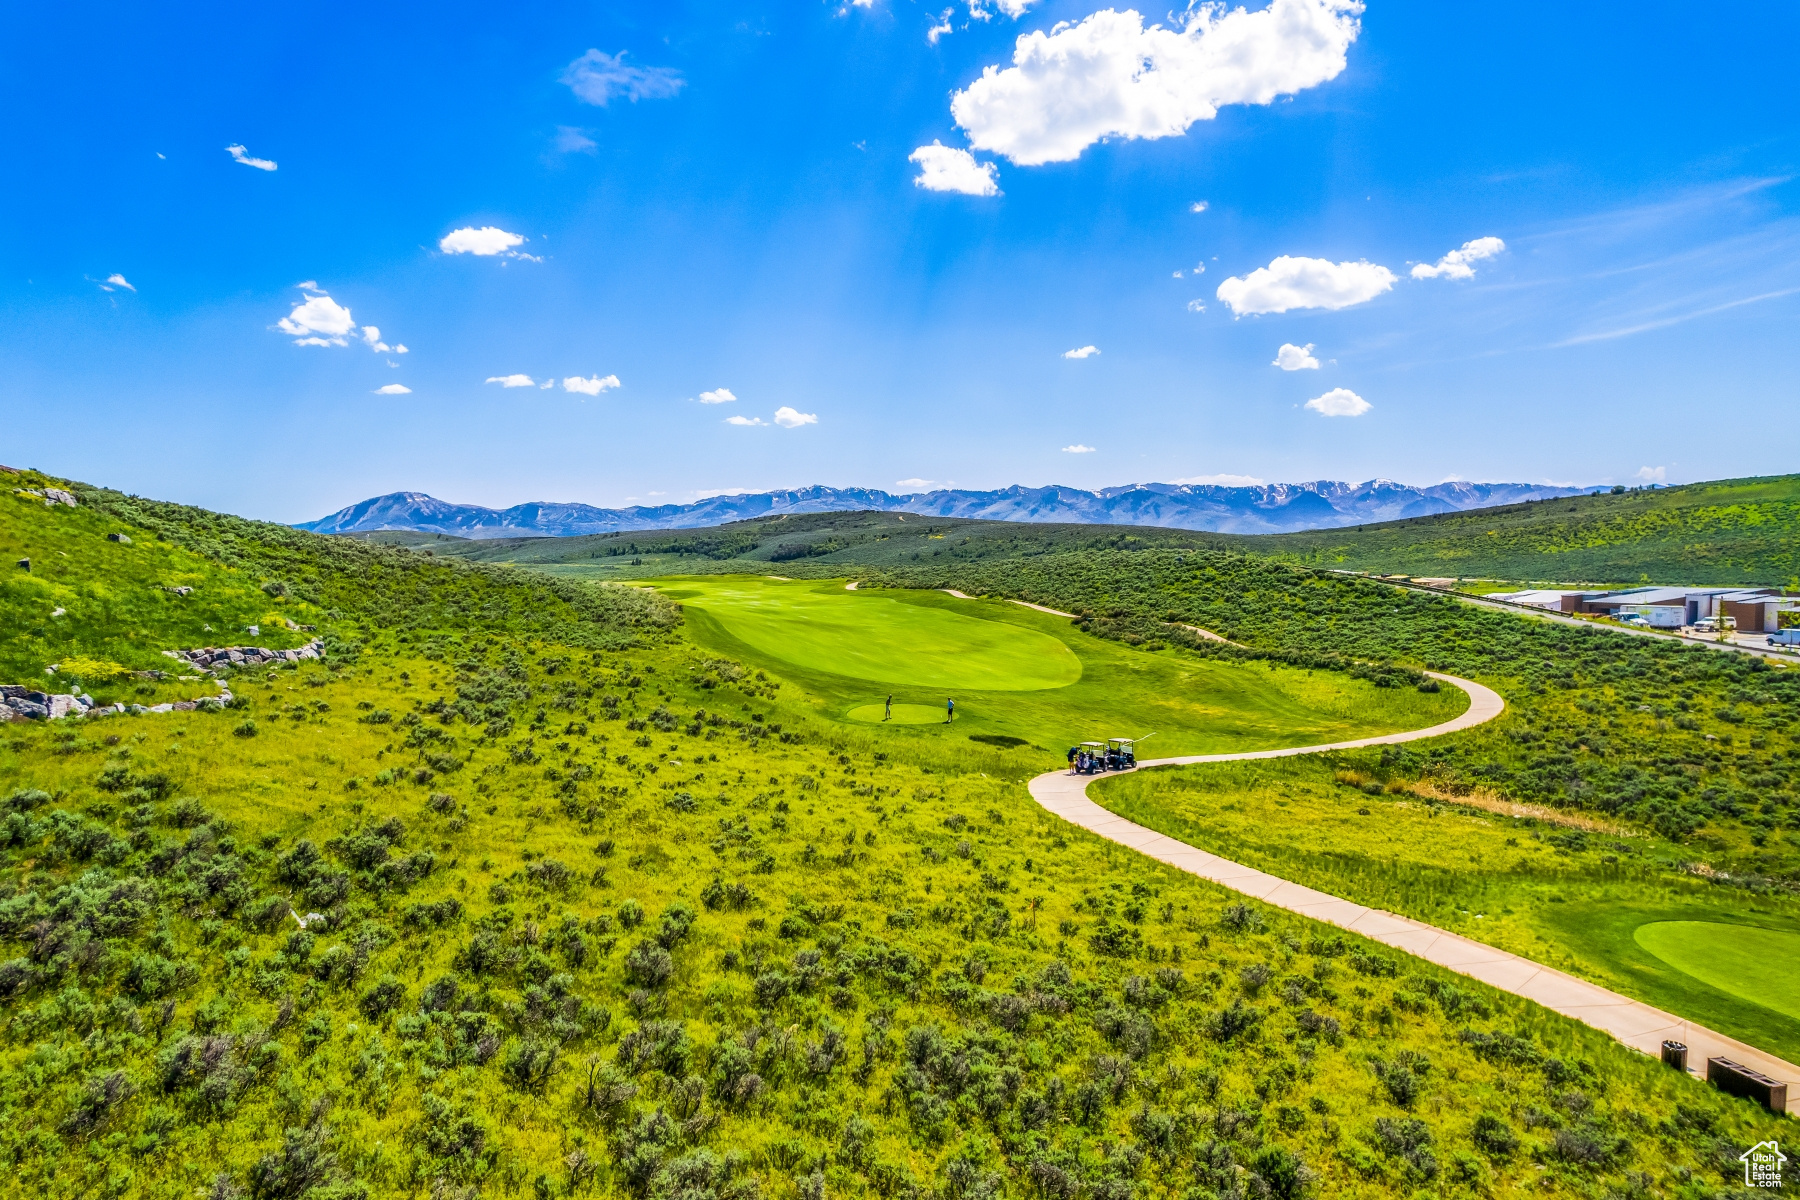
1633 1022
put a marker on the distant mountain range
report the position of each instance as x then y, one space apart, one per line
1263 508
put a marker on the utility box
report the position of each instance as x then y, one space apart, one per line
1674 1054
1735 1079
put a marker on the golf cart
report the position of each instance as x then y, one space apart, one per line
1121 754
1114 754
1088 758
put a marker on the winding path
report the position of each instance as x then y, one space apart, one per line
1633 1022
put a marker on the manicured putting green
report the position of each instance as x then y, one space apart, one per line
873 636
904 714
1758 965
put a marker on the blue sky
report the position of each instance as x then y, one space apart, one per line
725 199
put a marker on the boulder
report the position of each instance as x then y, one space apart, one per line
119 538
30 708
59 706
58 496
11 691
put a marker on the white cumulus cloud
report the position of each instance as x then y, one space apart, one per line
1082 352
946 169
317 320
512 381
1220 480
1339 402
239 154
718 396
117 280
1077 448
1290 282
744 421
485 242
1295 358
1653 474
599 78
1455 265
1198 206
393 389
789 418
590 387
1109 76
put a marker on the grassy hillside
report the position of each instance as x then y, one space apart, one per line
1740 531
1689 747
862 538
1737 531
602 912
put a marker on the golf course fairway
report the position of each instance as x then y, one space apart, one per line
1022 674
1750 963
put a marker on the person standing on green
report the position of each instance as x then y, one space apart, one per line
949 711
889 715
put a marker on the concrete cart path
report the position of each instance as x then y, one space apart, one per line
1633 1022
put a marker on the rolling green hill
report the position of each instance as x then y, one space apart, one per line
603 911
1736 531
1740 531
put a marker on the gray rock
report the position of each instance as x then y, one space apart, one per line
119 538
60 706
11 691
58 496
30 708
162 708
184 705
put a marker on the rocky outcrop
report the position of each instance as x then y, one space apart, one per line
50 496
18 702
214 658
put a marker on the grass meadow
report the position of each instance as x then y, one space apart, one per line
1557 888
850 649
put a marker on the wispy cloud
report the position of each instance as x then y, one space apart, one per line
916 484
745 421
599 78
512 381
118 280
570 139
1664 323
1078 448
1082 352
239 154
